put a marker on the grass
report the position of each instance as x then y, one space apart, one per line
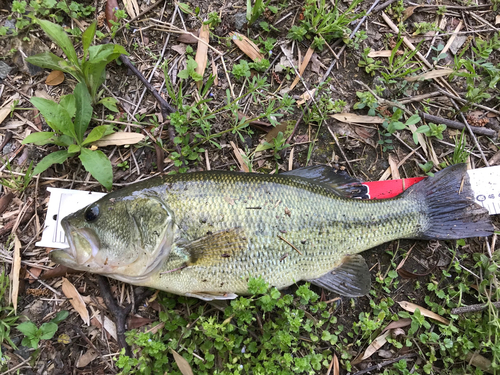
296 332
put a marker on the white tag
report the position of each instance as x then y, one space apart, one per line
485 183
63 202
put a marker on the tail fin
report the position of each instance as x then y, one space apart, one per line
451 210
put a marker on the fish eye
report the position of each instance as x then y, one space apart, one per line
91 213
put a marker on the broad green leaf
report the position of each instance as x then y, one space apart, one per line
105 52
57 157
413 120
110 103
68 102
27 329
87 37
98 165
39 138
73 149
48 60
97 133
63 140
59 37
83 110
185 8
56 116
95 74
61 315
48 330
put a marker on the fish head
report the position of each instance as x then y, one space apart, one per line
126 237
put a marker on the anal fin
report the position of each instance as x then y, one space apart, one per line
350 279
207 296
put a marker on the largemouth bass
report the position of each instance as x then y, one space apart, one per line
205 234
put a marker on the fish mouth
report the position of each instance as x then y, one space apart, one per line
83 246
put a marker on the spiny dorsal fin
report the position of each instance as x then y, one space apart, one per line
339 181
350 279
217 247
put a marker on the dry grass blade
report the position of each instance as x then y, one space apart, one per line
452 39
383 53
56 77
373 347
241 162
248 47
202 52
76 300
430 75
16 268
393 164
353 118
302 67
119 139
411 307
183 365
5 110
132 8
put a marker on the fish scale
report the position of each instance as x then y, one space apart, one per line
317 217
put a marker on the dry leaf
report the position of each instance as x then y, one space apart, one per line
75 299
477 360
86 358
248 47
316 65
56 77
183 365
430 75
351 117
373 347
188 38
202 52
34 274
303 66
398 324
497 19
119 139
306 96
109 325
179 48
16 267
411 307
408 12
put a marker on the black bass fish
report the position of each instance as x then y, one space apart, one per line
204 234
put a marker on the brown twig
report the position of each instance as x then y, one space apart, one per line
473 308
120 313
293 247
458 125
12 223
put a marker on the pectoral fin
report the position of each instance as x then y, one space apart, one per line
350 279
216 247
206 296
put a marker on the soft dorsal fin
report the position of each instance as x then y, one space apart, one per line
350 279
216 247
339 181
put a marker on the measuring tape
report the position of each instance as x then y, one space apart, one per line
485 183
